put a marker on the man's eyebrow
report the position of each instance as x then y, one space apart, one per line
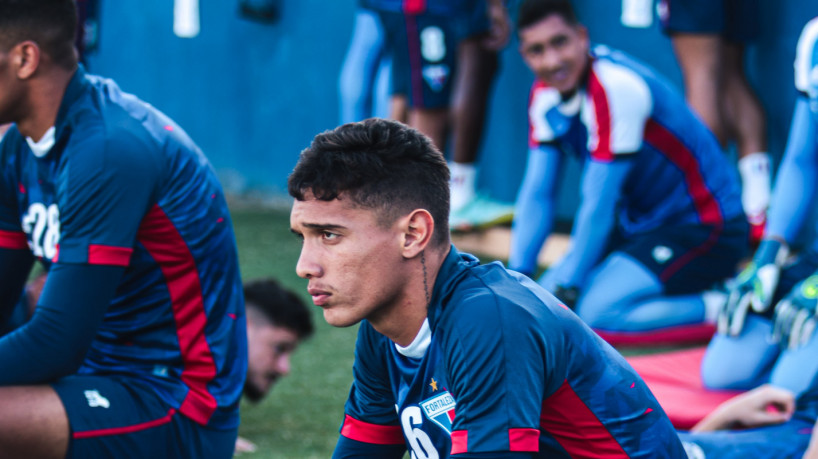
323 226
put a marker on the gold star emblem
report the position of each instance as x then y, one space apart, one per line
433 384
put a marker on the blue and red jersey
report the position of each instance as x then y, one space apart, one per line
625 110
501 367
436 7
117 183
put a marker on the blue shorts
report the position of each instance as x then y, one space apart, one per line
781 441
690 258
737 21
424 53
113 416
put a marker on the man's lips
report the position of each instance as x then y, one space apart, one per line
319 297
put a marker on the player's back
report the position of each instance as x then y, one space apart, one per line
591 402
680 175
123 185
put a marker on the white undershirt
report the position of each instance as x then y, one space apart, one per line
417 348
42 147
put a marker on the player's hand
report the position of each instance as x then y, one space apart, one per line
568 295
795 320
244 445
761 406
753 288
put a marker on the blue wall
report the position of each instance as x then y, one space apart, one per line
252 95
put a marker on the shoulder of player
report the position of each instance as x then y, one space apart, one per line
489 296
613 78
805 56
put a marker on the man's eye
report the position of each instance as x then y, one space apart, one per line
330 236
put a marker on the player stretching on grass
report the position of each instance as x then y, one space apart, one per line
137 346
453 357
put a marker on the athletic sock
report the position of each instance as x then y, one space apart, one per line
755 190
462 184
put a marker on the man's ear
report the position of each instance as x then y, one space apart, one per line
418 228
25 57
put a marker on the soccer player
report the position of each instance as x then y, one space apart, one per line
444 62
742 353
660 219
709 37
277 322
138 344
453 357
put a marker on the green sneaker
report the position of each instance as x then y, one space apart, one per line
480 213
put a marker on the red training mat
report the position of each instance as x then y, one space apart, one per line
671 336
676 381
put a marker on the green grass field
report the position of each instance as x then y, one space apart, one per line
301 416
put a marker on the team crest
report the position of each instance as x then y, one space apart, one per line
436 76
440 410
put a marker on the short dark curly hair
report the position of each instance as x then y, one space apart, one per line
534 11
52 24
380 164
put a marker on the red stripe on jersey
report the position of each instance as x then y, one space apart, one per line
674 150
126 429
371 433
576 428
109 255
164 243
460 441
414 6
15 240
524 440
604 124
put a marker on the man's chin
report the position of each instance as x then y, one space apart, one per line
254 393
339 320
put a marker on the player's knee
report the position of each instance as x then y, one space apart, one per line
720 373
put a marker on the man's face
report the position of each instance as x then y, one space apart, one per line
354 266
268 350
556 52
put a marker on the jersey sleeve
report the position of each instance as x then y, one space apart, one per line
618 107
370 415
549 118
103 192
497 372
806 60
602 185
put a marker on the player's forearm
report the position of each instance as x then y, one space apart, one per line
14 268
535 209
54 342
795 186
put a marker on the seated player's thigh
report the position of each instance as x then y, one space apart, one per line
33 423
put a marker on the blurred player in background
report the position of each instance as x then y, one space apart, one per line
277 322
445 58
138 343
660 218
709 38
766 327
453 358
